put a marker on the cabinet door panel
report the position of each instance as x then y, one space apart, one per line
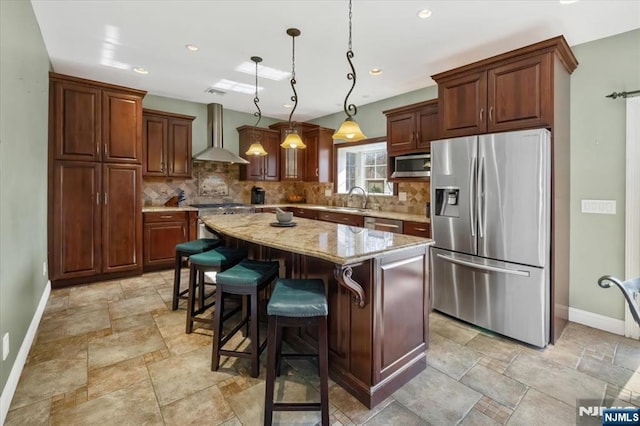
77 121
76 219
155 137
160 241
122 218
401 132
427 127
179 148
122 129
462 103
271 144
519 94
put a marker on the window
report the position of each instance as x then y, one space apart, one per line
363 165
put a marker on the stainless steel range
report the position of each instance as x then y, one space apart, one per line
216 209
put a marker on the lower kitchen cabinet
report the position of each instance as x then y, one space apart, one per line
418 229
162 231
95 220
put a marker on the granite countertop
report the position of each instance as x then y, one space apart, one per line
159 209
352 210
340 244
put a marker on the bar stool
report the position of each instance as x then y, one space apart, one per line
219 259
297 303
247 278
183 250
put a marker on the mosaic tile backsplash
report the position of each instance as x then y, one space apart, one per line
218 182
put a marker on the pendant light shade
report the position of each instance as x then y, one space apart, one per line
350 130
256 147
293 139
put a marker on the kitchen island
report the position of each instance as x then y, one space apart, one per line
377 288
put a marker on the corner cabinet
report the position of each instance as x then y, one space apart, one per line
511 91
411 128
166 144
95 151
266 167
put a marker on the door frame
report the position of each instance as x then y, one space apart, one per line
632 207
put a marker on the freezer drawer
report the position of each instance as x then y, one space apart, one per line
507 298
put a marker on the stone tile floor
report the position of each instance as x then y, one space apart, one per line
114 353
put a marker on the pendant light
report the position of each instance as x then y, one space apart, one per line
350 130
293 140
256 147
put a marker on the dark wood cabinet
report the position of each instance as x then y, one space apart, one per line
93 121
512 91
411 128
166 144
305 213
343 218
312 164
265 167
417 229
95 151
162 231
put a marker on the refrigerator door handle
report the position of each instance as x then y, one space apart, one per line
472 196
482 182
484 267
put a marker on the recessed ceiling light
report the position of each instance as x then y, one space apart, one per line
191 47
424 13
375 71
141 70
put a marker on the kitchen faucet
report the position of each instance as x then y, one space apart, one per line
364 195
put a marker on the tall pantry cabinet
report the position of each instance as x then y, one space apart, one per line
95 180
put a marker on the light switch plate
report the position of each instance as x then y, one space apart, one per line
599 206
327 193
402 196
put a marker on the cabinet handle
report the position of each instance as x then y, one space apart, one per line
481 114
166 217
97 198
98 148
184 232
106 198
490 114
420 229
105 150
317 172
185 166
162 167
418 136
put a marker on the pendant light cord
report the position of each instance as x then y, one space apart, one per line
256 99
294 98
350 109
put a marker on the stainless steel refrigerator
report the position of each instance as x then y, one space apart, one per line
490 219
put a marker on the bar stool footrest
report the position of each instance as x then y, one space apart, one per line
296 406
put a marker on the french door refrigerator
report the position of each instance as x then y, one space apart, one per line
490 219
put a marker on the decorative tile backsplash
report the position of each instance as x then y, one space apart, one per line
218 182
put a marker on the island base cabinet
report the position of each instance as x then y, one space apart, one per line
376 349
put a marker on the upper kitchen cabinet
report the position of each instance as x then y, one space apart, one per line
511 91
266 167
94 121
411 128
166 146
312 164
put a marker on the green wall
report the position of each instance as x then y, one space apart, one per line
598 166
231 120
24 84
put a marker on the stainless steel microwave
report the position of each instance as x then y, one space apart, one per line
417 165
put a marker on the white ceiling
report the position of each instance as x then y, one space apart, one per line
104 40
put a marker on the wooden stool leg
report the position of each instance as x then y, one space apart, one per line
201 288
271 371
279 332
217 330
255 335
176 281
191 299
323 355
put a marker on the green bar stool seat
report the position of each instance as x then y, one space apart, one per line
183 250
246 278
219 259
297 303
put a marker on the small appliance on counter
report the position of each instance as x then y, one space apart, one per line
257 195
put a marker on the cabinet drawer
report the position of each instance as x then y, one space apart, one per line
306 213
417 229
343 218
165 217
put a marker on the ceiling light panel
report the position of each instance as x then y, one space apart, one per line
235 86
266 72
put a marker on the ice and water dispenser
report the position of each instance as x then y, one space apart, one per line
447 202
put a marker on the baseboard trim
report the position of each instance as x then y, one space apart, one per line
16 370
598 321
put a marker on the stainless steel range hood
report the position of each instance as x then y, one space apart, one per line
215 151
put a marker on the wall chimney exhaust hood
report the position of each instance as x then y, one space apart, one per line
215 151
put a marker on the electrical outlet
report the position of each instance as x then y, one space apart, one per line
402 196
5 346
327 193
44 268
